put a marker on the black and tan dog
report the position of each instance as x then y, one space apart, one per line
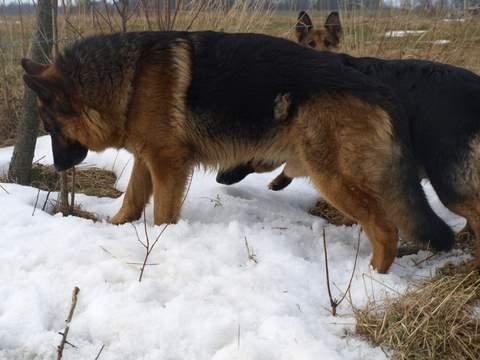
442 103
177 100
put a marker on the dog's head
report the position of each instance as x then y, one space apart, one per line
326 39
59 110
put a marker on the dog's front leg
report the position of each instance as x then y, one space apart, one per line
136 197
169 178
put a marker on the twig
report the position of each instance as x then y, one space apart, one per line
72 194
100 352
46 200
334 303
250 252
60 347
36 202
149 248
1 187
36 162
425 260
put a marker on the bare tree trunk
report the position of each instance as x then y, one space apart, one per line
21 164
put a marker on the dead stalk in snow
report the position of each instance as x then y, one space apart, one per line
147 244
334 303
1 187
36 202
250 252
99 352
64 341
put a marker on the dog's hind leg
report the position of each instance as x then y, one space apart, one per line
136 197
291 170
358 205
470 210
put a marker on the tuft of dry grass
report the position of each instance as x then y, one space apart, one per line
91 181
437 319
78 212
328 212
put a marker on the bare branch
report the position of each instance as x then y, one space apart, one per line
64 341
36 202
100 352
334 303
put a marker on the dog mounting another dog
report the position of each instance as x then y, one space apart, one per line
177 100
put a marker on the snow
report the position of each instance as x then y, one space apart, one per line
454 20
201 297
441 42
403 33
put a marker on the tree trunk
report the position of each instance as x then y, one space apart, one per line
21 164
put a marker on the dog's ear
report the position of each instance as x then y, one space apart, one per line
303 27
334 26
44 89
33 68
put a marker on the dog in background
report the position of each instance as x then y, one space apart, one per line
442 103
177 100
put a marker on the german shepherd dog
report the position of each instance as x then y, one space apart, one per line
442 103
177 100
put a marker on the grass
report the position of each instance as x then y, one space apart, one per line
90 181
436 319
365 34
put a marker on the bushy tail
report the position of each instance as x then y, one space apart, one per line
407 205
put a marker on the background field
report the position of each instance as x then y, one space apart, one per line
442 35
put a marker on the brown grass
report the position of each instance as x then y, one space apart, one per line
437 319
91 181
365 34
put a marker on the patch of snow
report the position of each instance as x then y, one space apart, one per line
454 20
441 42
403 33
201 298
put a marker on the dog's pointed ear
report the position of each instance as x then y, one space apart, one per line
33 68
42 87
304 26
334 26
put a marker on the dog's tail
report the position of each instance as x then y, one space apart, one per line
406 204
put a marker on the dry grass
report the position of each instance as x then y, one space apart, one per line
365 34
91 181
437 319
329 213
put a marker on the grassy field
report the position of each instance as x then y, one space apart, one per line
440 36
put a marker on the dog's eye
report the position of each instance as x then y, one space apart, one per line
312 44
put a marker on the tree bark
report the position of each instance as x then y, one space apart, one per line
20 169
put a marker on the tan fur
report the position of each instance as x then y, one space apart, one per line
470 210
351 176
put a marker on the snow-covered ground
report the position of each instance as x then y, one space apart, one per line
202 297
